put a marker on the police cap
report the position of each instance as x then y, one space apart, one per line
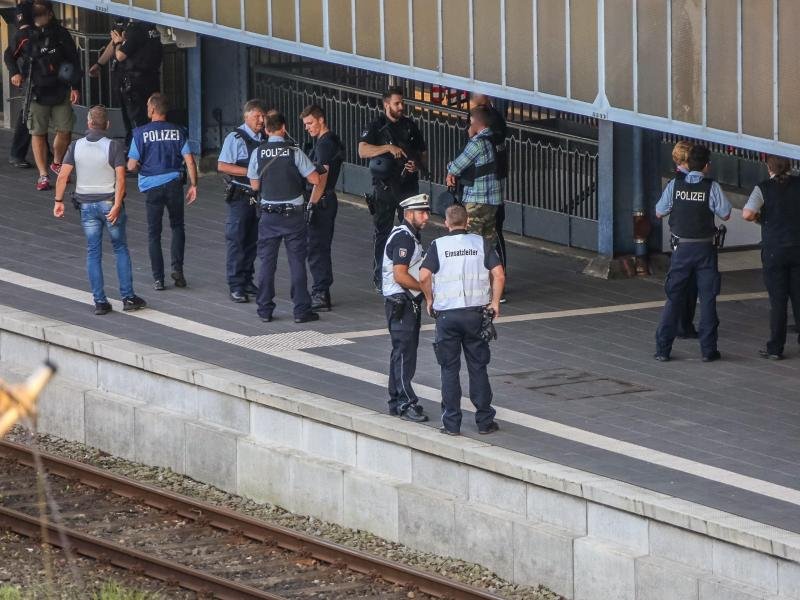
418 202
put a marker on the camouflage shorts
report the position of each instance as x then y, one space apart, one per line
482 220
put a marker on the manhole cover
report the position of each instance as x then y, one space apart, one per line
569 384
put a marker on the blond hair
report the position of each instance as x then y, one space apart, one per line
680 152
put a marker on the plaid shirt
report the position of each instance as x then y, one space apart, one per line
485 190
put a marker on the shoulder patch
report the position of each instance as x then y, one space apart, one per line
365 133
402 252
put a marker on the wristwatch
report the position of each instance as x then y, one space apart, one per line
58 199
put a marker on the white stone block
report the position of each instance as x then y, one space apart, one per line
21 350
329 443
557 508
427 520
604 571
77 366
109 424
223 410
127 352
439 474
74 337
497 491
318 488
61 410
618 527
745 566
169 394
211 456
712 589
160 438
673 543
371 504
659 579
543 554
265 473
275 426
385 458
789 579
483 537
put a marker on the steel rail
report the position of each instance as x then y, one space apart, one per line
130 559
230 521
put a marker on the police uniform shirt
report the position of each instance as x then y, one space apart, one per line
328 150
402 132
717 203
163 148
137 37
400 249
490 257
234 148
301 161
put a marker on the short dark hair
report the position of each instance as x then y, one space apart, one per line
314 110
699 157
252 105
160 103
482 115
780 166
394 90
275 121
456 215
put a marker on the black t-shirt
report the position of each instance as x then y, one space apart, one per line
328 150
401 247
142 47
490 257
402 132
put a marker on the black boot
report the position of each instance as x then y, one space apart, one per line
321 301
412 412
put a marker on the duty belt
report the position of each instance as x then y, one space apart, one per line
285 209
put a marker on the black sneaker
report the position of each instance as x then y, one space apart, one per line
102 308
265 318
251 288
321 301
158 285
712 356
413 413
133 303
446 431
19 163
306 318
764 353
490 428
394 412
239 297
178 278
661 357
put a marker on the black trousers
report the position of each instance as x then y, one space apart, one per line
320 238
457 331
686 318
21 142
698 261
500 219
170 197
404 333
387 209
781 269
241 239
134 107
274 228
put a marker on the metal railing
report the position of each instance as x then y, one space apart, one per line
95 90
549 170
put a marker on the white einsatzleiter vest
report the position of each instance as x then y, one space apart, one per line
462 280
390 286
94 174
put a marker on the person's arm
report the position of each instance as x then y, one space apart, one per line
129 43
119 195
61 189
105 57
498 279
664 204
71 51
318 180
369 146
252 172
133 157
229 154
405 279
462 161
755 202
191 170
720 203
426 284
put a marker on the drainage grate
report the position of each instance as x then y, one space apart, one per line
297 340
569 384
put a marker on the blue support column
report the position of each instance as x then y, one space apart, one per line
605 190
194 75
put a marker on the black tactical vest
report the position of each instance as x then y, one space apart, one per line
281 181
780 215
691 215
146 61
252 145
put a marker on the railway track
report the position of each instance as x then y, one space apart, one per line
198 546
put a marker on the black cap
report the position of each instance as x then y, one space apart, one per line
24 13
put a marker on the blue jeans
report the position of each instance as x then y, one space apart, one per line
94 220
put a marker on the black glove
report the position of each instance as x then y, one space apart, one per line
310 208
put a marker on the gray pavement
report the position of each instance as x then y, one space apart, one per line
590 372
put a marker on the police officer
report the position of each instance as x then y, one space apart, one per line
241 224
17 63
139 53
775 203
462 277
686 328
279 171
397 152
400 264
161 148
692 201
327 152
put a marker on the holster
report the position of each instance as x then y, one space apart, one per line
719 236
75 204
674 240
370 200
398 306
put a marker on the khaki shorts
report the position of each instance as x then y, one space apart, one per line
481 220
58 118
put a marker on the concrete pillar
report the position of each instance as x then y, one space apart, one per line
194 76
605 190
226 87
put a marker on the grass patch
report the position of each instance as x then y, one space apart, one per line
108 591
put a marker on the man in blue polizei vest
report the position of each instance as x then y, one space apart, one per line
159 150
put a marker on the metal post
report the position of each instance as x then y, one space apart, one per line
194 70
605 189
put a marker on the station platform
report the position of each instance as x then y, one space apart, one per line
572 370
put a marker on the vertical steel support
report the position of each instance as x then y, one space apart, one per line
194 70
605 189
